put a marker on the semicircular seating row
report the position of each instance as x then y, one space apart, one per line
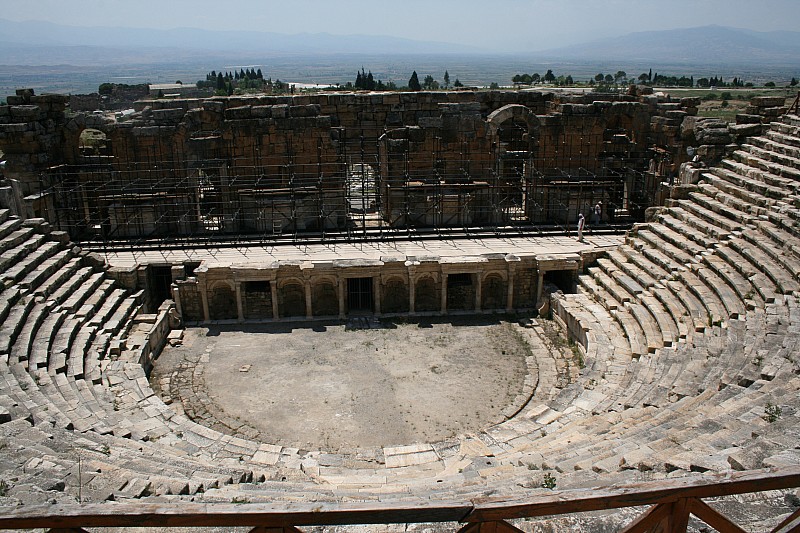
689 333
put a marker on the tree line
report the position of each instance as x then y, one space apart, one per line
620 78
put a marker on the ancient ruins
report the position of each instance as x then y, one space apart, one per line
676 320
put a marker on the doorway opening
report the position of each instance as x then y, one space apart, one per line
359 295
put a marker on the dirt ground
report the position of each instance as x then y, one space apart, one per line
322 386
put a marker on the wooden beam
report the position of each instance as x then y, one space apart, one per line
679 516
262 529
231 515
267 515
791 524
650 493
649 520
712 517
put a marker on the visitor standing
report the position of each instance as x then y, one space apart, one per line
581 226
598 213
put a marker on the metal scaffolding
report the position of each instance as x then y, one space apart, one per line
362 190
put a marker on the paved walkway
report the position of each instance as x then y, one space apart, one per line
444 248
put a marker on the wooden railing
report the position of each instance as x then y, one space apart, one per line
670 504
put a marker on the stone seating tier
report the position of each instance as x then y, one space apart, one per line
687 332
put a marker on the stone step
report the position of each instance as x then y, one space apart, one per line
14 322
778 255
669 328
77 286
733 304
89 298
686 230
693 305
788 242
58 278
58 264
765 143
680 315
633 332
709 216
119 321
745 211
15 254
676 239
782 137
783 279
62 344
33 260
21 348
40 348
711 204
716 311
744 188
786 222
762 284
614 290
654 339
633 256
110 303
741 286
628 283
79 349
776 169
676 257
13 234
621 261
768 155
8 298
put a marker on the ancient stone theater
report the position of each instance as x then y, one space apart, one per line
186 290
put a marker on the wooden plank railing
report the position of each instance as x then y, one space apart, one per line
670 504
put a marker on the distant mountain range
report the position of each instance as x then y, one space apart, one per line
703 45
35 42
44 43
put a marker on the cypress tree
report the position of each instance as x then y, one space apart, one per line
413 82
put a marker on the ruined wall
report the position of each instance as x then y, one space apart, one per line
491 283
275 164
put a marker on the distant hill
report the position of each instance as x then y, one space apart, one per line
35 42
702 45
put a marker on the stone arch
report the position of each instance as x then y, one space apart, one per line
324 297
494 291
222 301
76 128
512 112
426 294
292 297
394 298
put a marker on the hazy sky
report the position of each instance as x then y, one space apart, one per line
495 25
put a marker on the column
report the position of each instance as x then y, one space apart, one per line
273 288
443 308
478 291
376 293
412 293
309 308
176 297
510 289
204 299
539 288
239 307
342 300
